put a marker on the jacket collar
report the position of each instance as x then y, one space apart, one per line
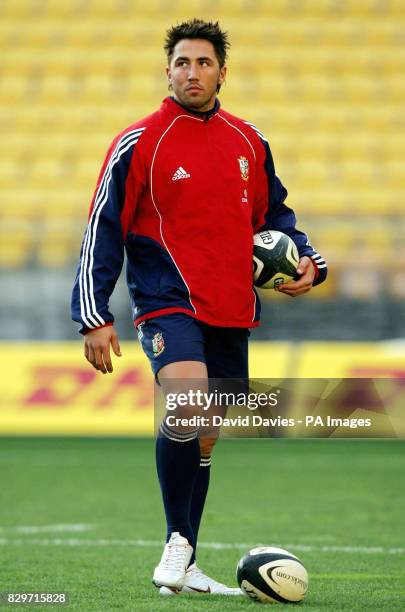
171 105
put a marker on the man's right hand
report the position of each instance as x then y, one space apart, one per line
97 347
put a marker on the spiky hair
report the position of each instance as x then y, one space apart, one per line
197 28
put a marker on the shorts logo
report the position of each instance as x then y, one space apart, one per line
139 328
158 344
244 168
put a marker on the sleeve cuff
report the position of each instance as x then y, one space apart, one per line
316 271
86 330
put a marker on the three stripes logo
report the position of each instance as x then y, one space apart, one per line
319 260
180 174
88 308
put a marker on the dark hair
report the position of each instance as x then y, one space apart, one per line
197 28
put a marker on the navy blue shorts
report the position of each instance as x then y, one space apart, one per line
178 337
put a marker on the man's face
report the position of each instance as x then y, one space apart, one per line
194 73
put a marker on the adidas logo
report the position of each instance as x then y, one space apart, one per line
180 174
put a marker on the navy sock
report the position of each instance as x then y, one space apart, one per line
177 462
198 499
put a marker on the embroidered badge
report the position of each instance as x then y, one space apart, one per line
158 344
244 167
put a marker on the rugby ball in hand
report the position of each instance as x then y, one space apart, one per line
275 259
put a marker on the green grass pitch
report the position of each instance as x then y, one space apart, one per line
84 516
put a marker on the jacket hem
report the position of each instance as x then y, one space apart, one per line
210 321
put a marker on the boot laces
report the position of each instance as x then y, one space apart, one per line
175 556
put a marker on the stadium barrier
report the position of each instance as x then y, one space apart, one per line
49 389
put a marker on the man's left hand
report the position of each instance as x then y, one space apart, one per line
304 283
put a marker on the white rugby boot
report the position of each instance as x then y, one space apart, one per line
171 571
197 582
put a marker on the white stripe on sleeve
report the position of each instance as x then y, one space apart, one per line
90 316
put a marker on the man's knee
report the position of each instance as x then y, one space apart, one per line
207 446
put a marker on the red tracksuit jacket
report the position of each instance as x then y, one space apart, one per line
183 193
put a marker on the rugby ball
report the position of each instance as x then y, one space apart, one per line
275 259
272 575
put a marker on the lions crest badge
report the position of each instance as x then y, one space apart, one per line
244 167
158 344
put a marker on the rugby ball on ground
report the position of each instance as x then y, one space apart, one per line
272 575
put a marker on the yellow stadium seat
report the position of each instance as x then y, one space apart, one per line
16 244
59 245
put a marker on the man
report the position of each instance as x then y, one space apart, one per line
182 192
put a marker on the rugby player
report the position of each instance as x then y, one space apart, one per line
182 192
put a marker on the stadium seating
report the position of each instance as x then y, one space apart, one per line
321 78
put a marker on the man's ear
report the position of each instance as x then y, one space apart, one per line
222 75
